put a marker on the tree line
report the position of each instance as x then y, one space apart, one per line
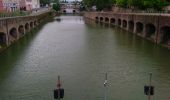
135 4
55 4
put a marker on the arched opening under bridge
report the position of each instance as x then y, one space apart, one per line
150 30
112 21
124 23
119 22
21 30
131 26
27 27
139 27
13 33
2 39
165 31
106 20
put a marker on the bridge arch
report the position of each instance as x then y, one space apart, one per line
2 38
131 25
96 18
165 33
27 27
101 19
21 30
107 20
64 11
150 30
119 22
112 20
13 32
74 11
139 27
31 24
124 23
35 23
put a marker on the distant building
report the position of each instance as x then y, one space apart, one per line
167 8
22 5
1 6
10 5
17 5
29 4
69 7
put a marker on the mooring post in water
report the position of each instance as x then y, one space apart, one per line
59 92
105 85
150 80
149 89
58 87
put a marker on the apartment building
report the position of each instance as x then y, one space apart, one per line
1 6
29 4
17 5
10 5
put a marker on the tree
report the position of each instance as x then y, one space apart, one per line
155 4
135 3
44 2
122 3
56 1
56 5
140 4
89 3
100 4
82 6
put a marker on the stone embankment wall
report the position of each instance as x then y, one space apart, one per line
14 28
154 27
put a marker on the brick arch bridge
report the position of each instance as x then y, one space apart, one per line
154 27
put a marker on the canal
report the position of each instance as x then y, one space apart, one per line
81 52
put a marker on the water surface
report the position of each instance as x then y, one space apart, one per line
81 52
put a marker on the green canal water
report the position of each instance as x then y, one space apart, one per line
81 52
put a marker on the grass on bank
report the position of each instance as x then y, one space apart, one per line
13 14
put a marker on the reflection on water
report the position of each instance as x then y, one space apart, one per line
80 52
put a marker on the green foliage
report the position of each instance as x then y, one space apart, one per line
56 7
100 4
44 2
140 4
145 4
82 6
135 3
89 3
122 3
55 1
155 4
